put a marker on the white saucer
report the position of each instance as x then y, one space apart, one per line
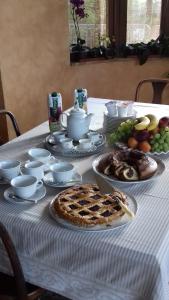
39 194
80 150
49 180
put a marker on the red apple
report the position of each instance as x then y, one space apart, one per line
164 122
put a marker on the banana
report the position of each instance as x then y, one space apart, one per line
143 123
153 122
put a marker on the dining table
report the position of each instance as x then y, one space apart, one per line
130 262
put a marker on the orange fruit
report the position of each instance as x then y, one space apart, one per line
144 146
132 143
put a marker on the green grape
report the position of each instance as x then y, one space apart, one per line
161 141
128 131
157 136
152 142
162 130
166 135
119 130
165 148
154 150
112 138
122 133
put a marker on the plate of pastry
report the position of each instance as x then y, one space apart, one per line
84 207
128 167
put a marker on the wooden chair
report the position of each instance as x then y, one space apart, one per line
158 86
15 287
13 120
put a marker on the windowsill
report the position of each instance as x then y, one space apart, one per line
86 61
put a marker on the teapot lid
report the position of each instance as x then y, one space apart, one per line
77 109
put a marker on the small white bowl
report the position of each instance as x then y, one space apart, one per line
62 171
39 154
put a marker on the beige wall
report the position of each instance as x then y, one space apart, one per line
34 59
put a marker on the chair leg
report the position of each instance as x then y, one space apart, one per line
15 124
158 88
13 120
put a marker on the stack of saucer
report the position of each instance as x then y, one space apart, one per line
112 122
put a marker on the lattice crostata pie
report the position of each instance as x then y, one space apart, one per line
84 205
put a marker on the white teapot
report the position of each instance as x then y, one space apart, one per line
77 122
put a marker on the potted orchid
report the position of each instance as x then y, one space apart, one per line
77 9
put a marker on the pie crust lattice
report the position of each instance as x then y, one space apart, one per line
84 205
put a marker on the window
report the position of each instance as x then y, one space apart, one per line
91 27
134 21
129 21
143 20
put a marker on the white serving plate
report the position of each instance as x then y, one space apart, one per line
160 170
124 220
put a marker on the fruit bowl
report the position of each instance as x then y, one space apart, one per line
147 134
158 153
124 146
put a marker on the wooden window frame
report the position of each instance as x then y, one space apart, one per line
117 20
164 25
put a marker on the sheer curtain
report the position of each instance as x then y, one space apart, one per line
143 20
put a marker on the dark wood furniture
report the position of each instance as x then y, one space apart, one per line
15 287
158 86
13 120
3 134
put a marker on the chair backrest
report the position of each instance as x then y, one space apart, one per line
15 264
4 112
158 88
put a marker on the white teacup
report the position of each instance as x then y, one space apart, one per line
58 136
130 110
93 136
85 144
39 154
9 169
111 108
67 143
25 186
122 110
34 168
62 171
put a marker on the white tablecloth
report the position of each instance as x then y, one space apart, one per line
131 263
